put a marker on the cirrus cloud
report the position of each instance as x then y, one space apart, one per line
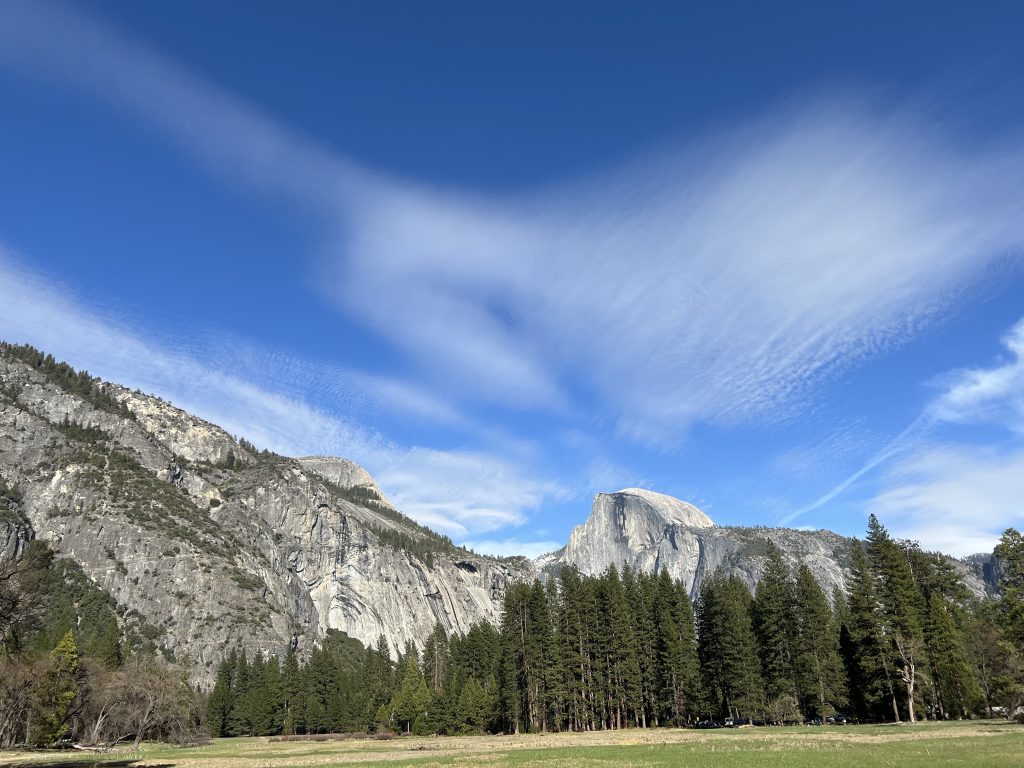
720 284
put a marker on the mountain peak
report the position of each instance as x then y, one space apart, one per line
342 472
671 509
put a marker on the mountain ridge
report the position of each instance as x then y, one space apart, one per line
216 544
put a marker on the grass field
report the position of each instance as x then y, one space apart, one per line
986 744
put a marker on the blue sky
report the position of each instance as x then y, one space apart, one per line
766 259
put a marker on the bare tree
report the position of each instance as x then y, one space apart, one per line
152 698
17 683
20 604
99 707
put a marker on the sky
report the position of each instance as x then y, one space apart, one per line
767 258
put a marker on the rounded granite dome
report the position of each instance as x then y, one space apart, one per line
670 508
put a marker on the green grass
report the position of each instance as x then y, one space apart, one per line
985 744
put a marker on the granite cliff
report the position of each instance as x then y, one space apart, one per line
211 543
650 531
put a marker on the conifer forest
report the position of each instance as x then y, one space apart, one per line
579 653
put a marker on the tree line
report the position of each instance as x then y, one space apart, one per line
906 641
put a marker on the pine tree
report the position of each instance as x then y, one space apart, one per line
820 677
218 710
866 649
473 705
514 669
678 668
557 680
106 645
573 650
292 695
620 659
902 609
1011 559
773 613
238 719
320 685
640 595
728 650
268 718
539 640
316 714
379 678
54 691
436 658
413 697
957 691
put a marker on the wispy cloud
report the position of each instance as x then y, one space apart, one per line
960 497
986 395
899 445
718 285
718 291
841 443
955 499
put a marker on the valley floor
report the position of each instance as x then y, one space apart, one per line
986 744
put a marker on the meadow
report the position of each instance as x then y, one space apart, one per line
985 744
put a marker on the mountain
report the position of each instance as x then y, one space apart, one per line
209 544
206 543
650 531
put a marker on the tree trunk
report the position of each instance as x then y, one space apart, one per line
909 675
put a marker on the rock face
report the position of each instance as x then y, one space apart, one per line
650 531
342 472
213 544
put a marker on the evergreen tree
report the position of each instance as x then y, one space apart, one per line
640 596
539 641
865 647
320 687
436 658
678 668
774 614
621 664
820 677
574 653
238 718
317 720
292 695
902 609
728 650
218 710
473 707
106 644
557 674
55 689
955 685
379 679
1011 559
413 698
267 706
514 669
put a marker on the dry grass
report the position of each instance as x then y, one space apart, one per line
986 744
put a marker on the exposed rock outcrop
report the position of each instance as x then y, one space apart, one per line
650 531
344 473
214 544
